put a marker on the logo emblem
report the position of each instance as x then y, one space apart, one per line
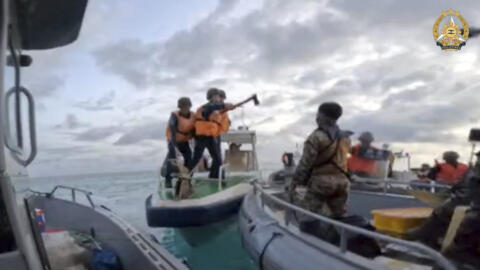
447 31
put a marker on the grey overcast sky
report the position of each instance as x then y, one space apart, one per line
103 101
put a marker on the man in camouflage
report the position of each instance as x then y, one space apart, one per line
323 165
462 194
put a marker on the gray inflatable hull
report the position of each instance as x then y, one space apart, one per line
273 247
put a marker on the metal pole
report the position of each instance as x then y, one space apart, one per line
18 111
3 49
472 154
343 240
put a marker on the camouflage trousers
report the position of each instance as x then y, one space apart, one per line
327 190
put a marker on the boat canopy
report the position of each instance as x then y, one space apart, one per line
48 24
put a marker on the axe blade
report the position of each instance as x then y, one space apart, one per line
256 102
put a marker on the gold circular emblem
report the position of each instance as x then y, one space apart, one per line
450 37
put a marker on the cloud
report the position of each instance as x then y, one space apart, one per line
149 130
97 134
378 59
140 104
104 103
71 122
46 86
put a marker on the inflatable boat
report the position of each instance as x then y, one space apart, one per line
272 237
213 199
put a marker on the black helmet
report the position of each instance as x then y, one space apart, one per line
184 102
366 136
451 155
211 92
222 94
331 109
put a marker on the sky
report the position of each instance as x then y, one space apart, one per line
102 102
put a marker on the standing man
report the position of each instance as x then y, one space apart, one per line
180 131
225 122
451 171
207 131
323 165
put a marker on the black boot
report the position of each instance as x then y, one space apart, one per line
427 234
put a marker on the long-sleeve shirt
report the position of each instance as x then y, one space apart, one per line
173 123
209 108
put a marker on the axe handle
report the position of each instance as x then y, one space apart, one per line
237 105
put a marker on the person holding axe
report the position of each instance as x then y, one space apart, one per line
211 122
207 131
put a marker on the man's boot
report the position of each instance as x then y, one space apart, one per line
428 233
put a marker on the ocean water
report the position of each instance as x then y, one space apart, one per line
214 247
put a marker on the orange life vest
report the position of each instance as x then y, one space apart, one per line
362 165
224 123
451 175
204 127
185 128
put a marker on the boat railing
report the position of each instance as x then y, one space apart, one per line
389 183
73 192
223 176
344 228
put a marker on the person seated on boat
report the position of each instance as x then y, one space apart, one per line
208 120
462 194
322 167
422 177
236 158
362 161
449 172
422 174
180 130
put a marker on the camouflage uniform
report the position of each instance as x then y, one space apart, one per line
466 245
320 169
436 226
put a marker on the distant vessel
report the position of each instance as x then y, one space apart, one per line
44 232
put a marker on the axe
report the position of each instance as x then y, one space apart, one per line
253 97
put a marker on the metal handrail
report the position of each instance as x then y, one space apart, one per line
344 228
16 151
73 190
222 175
388 182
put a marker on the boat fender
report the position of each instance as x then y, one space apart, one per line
264 249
